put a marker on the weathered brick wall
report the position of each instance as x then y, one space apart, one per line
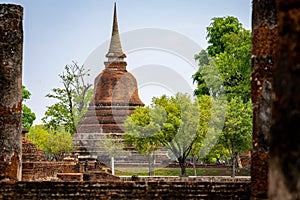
264 39
44 170
30 153
284 175
125 190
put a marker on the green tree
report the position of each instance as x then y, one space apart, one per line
112 145
141 131
177 123
72 99
234 65
180 129
219 27
237 132
205 106
228 68
212 117
54 144
209 80
202 88
27 115
39 136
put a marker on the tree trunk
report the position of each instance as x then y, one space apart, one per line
194 165
151 158
233 156
181 161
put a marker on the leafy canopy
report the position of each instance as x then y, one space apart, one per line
227 63
55 144
73 99
219 27
177 123
27 115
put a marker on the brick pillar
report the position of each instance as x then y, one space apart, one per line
264 38
284 172
11 50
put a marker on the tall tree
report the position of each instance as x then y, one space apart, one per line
237 132
207 126
176 123
72 99
180 129
27 115
219 27
141 132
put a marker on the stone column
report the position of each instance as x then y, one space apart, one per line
11 50
264 38
284 175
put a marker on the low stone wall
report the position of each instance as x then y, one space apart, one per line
33 171
125 190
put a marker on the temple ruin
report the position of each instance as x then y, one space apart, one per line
276 40
115 98
115 92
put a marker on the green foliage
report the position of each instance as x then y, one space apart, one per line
237 131
229 60
234 65
176 123
72 99
54 144
205 113
25 93
180 129
39 136
59 145
202 58
202 88
142 127
113 145
59 117
27 115
209 80
141 131
211 122
236 136
219 27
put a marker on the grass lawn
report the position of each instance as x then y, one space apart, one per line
143 171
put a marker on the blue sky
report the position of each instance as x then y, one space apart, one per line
59 31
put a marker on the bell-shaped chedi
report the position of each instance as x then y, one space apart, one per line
115 92
115 98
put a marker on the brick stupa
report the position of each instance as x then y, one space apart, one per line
115 98
115 92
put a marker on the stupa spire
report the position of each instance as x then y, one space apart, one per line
115 51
